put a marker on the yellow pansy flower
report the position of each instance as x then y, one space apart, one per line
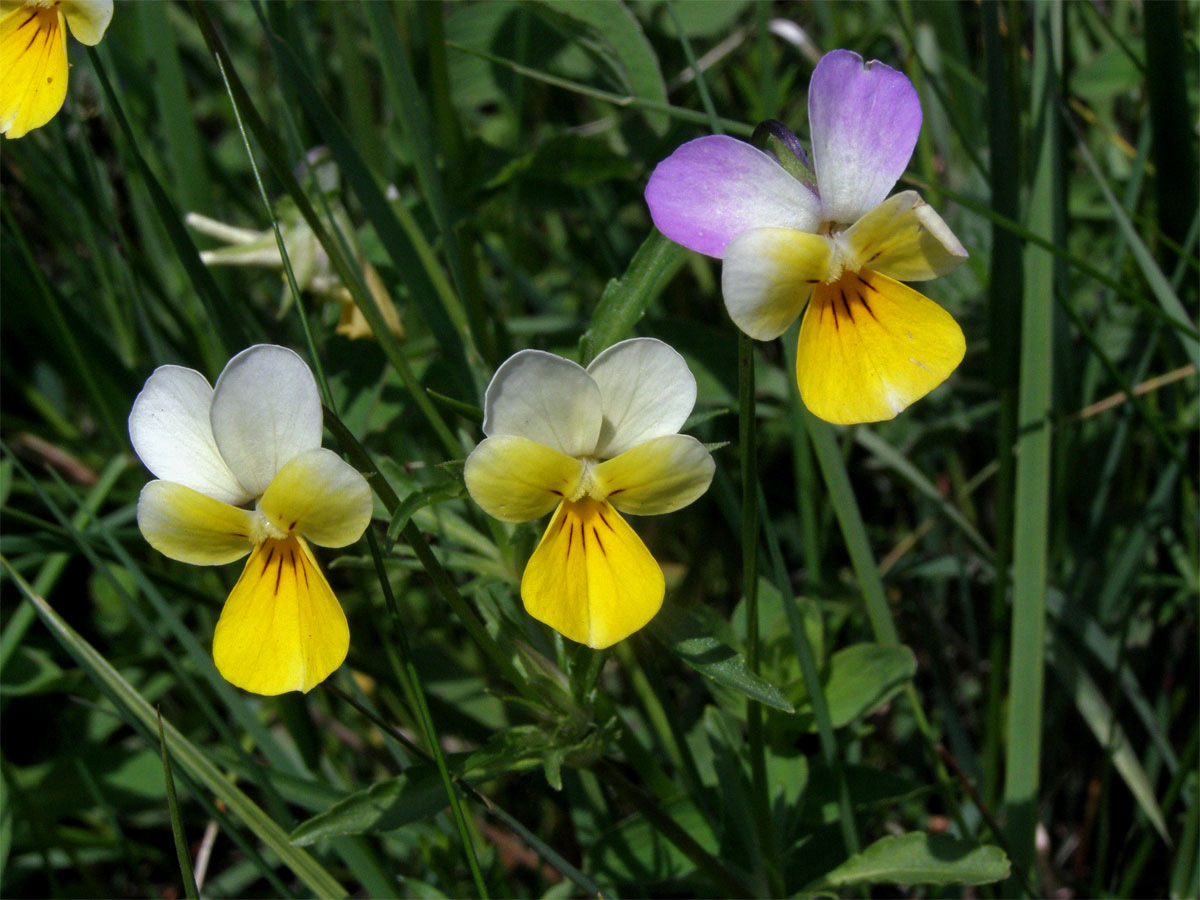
33 56
590 444
827 242
255 437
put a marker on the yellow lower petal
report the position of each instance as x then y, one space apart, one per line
33 68
591 577
870 346
282 628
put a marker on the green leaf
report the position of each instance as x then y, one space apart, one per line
685 636
919 858
609 33
861 678
624 300
638 852
386 806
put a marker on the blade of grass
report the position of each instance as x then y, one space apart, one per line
1098 715
1005 285
349 274
52 569
231 325
402 87
620 100
1032 495
138 712
1159 286
1170 114
181 847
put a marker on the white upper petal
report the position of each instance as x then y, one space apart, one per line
647 391
171 433
547 399
88 19
265 410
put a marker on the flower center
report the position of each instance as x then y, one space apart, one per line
263 529
587 481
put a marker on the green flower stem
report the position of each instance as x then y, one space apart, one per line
411 682
748 446
543 849
854 533
812 686
442 582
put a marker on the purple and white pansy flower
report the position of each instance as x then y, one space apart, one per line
832 245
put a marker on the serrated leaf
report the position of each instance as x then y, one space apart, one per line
919 858
684 636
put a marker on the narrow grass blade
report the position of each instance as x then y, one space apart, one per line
1095 710
619 100
1166 25
1005 285
181 847
338 254
417 123
1157 281
195 761
1032 501
230 322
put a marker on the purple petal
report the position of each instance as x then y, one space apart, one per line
712 189
864 119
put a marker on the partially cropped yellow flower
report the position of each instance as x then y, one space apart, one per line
33 56
594 443
255 438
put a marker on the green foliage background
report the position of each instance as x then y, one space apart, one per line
1004 642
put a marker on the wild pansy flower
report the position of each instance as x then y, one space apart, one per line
33 56
830 239
590 444
256 437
